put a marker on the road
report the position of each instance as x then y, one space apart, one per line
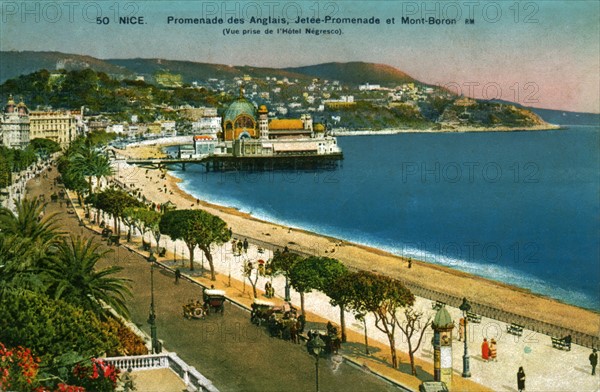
229 350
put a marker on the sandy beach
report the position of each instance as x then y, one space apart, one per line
161 187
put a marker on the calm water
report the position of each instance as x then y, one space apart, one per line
521 208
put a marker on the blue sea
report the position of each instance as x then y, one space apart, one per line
517 207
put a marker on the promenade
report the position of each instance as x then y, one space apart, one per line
547 369
229 350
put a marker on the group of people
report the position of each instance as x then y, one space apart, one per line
489 350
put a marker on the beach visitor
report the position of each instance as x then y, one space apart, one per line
594 360
409 262
521 379
245 245
493 350
177 275
461 328
485 350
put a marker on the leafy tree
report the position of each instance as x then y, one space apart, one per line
74 277
114 202
44 145
382 296
282 263
304 277
335 284
195 228
411 326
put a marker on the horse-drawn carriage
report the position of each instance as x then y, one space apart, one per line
330 337
261 311
214 300
194 310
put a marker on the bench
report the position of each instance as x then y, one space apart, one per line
437 305
474 317
562 343
515 329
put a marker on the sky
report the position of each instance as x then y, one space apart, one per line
537 53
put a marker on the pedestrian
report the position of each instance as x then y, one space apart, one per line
409 262
177 275
521 379
594 361
461 328
493 350
485 350
245 245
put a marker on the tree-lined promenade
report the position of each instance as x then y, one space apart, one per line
235 354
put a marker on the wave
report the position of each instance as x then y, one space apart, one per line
480 268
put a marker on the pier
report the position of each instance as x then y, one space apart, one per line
251 163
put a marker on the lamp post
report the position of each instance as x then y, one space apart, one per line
315 347
465 307
152 315
287 297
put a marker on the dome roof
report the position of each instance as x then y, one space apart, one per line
238 107
442 319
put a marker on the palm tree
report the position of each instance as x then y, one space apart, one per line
89 162
30 221
73 276
18 260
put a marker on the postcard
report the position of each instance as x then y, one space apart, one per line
340 195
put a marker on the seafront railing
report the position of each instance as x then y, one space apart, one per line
577 337
193 379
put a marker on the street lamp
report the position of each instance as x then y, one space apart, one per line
287 297
315 347
465 307
152 316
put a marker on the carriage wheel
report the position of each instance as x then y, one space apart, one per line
198 312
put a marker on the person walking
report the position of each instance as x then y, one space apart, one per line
493 351
594 361
245 245
485 350
521 379
177 275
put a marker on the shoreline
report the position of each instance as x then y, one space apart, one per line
429 276
346 132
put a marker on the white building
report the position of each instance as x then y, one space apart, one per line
14 124
369 87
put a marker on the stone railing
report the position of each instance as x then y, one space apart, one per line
193 380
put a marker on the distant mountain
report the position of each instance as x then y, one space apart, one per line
192 71
14 64
355 73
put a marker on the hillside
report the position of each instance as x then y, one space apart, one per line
356 73
192 71
13 64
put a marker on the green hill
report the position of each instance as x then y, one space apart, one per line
356 73
14 64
